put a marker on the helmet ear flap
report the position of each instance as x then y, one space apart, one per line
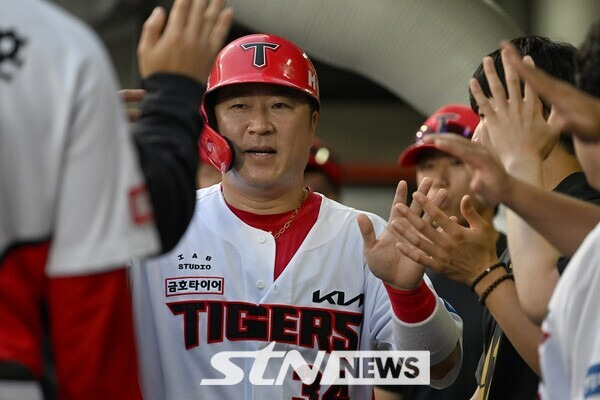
217 148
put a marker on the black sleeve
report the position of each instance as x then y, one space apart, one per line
166 136
576 185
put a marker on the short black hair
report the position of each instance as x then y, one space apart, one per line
587 62
555 58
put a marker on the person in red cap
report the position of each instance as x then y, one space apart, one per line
322 173
449 173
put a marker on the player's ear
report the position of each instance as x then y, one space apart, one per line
315 121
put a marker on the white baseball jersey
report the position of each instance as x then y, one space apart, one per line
570 352
216 292
69 170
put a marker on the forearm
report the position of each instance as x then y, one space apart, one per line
533 258
423 323
166 136
570 215
534 267
504 306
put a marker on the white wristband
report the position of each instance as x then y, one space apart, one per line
439 333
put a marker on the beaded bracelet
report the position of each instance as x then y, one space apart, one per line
493 286
485 272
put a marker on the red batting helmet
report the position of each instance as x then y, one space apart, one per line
452 118
257 58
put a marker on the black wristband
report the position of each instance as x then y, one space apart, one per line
493 286
485 272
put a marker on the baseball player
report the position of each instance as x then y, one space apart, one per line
80 196
266 262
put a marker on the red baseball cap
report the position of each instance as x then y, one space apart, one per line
321 158
452 118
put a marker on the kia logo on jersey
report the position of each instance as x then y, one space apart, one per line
260 52
337 297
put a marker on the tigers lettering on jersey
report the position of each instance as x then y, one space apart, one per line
301 326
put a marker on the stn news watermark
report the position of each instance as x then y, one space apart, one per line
335 368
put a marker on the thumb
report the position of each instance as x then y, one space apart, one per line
470 213
152 28
367 231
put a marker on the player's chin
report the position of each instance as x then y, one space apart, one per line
258 177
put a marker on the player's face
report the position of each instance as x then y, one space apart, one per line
449 173
271 128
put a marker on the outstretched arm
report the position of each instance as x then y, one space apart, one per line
519 134
569 214
175 63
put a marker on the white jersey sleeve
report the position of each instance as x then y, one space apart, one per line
70 171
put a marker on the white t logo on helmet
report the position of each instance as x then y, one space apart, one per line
260 50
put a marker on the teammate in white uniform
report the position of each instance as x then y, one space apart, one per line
265 260
80 196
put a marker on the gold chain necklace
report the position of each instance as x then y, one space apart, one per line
289 221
